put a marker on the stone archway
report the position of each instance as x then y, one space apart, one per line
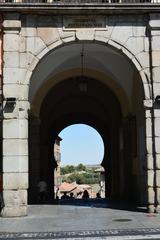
131 111
32 57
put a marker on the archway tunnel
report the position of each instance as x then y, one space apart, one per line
96 85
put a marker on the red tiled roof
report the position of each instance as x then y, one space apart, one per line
67 187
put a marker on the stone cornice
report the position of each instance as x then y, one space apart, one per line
63 8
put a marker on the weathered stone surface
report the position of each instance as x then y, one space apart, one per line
26 59
100 38
158 195
14 75
127 53
155 43
151 195
114 44
121 33
135 45
145 75
158 178
14 211
149 145
66 34
29 32
155 32
137 64
55 44
23 107
11 24
150 161
143 59
11 42
69 39
13 164
156 74
139 30
157 161
33 64
157 112
35 45
148 127
28 76
155 58
157 145
48 35
22 44
11 59
146 44
106 33
20 92
150 174
42 53
15 181
147 90
154 22
15 198
157 127
84 34
15 128
15 147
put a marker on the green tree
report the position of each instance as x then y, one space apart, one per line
81 167
82 178
67 169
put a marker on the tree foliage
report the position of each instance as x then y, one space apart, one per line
81 167
67 169
70 169
79 174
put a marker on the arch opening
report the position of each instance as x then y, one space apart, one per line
105 98
79 152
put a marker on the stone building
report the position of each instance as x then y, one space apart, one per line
102 173
90 62
57 169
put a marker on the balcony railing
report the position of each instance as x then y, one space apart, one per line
76 2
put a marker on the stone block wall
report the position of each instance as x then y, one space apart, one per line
153 114
15 122
27 39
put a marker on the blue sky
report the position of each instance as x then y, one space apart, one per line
81 144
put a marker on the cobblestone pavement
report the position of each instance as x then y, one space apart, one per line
97 234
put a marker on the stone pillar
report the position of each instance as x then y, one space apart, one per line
15 122
149 156
154 27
